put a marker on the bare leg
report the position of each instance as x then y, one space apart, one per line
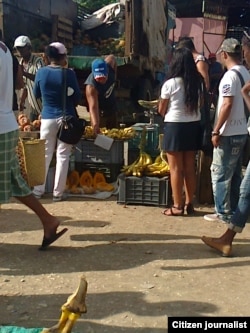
189 175
227 238
50 223
223 244
176 178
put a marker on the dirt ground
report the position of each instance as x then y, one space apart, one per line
141 267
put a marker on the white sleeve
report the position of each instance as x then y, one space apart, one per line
167 89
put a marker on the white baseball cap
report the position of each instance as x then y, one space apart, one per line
60 47
22 41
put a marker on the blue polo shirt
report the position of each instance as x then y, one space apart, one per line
49 86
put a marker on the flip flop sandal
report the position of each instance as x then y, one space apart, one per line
48 241
189 209
170 212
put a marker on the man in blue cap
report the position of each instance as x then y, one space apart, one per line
100 94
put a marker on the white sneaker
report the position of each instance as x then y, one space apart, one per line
59 198
213 218
38 196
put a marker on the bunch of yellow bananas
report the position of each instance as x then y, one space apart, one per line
119 133
138 166
114 133
159 168
89 132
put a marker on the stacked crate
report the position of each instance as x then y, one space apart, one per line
145 190
151 191
89 156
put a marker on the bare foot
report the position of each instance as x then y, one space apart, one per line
219 245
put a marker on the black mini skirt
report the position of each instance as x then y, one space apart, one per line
182 136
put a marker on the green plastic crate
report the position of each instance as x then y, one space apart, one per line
152 191
87 152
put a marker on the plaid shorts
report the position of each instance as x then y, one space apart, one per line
12 183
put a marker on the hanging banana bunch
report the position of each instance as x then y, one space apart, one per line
139 165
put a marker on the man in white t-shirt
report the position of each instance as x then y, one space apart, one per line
229 133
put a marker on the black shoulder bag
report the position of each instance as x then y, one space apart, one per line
246 149
71 127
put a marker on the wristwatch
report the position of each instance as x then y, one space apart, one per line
215 133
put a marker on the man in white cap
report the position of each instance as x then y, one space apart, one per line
30 64
229 133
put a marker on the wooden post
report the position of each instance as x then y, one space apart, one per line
204 193
62 31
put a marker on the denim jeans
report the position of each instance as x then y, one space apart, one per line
226 174
239 219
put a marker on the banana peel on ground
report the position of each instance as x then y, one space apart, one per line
71 310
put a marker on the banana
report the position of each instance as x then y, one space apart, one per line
155 166
128 170
137 171
158 159
159 168
115 133
138 167
148 159
141 160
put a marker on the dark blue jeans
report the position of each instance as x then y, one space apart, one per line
226 174
240 217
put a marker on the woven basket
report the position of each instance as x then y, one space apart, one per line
31 155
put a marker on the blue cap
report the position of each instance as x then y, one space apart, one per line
99 68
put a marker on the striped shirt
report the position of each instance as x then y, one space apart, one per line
32 67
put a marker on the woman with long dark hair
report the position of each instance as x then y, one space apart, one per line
180 107
199 59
